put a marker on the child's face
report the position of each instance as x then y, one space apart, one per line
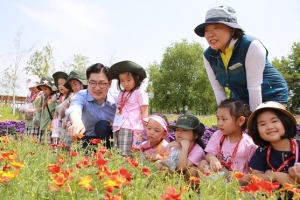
46 90
155 132
127 81
226 123
33 89
75 85
269 126
61 86
183 134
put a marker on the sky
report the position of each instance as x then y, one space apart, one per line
109 31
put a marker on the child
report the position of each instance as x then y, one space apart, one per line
59 134
229 148
76 81
186 151
132 103
32 129
272 128
155 145
46 107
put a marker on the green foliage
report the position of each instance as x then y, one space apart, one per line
290 68
79 63
41 63
180 80
6 113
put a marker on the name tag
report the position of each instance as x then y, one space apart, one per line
232 67
118 120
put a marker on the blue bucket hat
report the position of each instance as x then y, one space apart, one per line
219 15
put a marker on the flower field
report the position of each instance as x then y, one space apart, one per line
29 170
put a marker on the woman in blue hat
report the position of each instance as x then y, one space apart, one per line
238 61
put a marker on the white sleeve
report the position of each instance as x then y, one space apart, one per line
255 65
218 89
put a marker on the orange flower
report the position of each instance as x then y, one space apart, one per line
51 127
53 168
17 165
123 172
171 195
85 182
112 182
164 155
132 161
238 175
80 135
194 179
8 155
59 179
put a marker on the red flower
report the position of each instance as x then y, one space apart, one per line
132 161
146 171
171 195
53 168
95 141
73 153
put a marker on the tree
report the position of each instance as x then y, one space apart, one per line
41 63
180 80
79 63
12 73
290 69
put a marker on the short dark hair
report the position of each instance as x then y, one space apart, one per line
136 78
237 108
97 68
237 33
289 126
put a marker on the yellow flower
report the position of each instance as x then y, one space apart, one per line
17 165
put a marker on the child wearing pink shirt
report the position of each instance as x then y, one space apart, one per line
155 145
186 152
132 104
229 148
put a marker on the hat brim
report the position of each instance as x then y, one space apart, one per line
254 114
67 84
53 88
199 30
63 75
31 85
126 66
173 127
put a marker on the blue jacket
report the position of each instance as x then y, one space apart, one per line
274 86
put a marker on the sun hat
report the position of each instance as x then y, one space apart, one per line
219 15
32 81
159 120
187 121
270 105
77 75
47 81
126 66
58 75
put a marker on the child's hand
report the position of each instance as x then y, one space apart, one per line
215 165
185 143
293 172
282 178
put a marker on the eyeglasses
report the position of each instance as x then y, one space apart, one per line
101 84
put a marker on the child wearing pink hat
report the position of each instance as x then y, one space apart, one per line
155 146
31 128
